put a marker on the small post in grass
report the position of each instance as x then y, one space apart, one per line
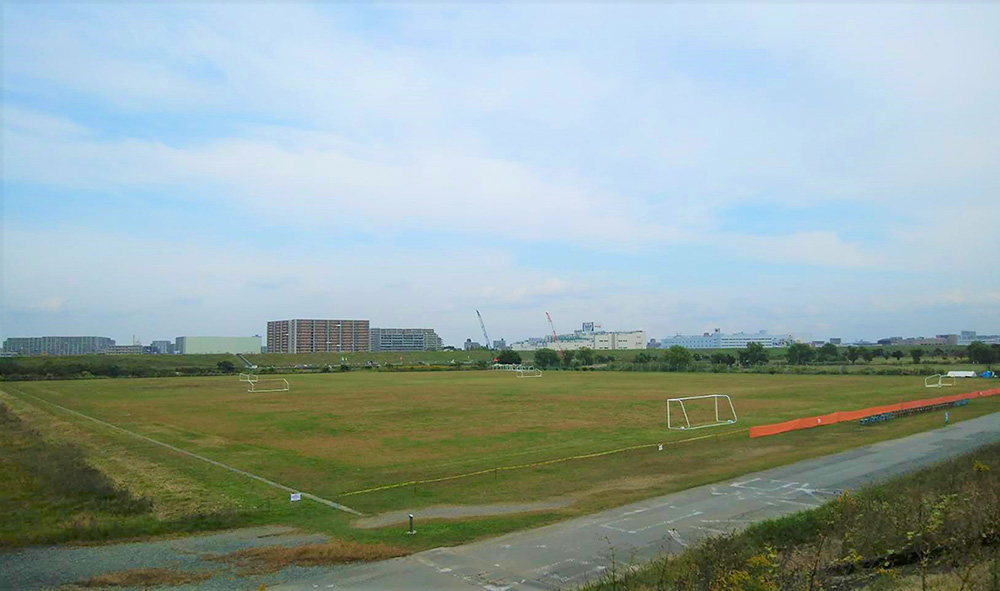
412 531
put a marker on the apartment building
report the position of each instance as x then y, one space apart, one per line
318 336
57 345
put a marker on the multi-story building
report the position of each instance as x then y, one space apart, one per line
163 347
967 337
405 339
207 345
56 345
471 345
135 349
317 336
718 340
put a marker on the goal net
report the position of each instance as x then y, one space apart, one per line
267 385
698 412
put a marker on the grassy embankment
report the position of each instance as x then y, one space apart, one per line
337 433
937 528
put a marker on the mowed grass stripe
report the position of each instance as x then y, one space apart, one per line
540 464
202 458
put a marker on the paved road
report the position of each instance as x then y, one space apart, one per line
567 554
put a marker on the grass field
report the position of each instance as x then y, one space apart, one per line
337 433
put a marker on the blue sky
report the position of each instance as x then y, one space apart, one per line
824 170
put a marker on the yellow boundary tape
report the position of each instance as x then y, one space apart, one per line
535 464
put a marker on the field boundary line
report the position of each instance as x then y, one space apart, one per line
498 469
277 485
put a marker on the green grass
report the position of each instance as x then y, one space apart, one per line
336 433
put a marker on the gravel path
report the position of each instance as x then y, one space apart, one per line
456 511
49 567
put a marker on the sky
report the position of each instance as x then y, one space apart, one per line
825 170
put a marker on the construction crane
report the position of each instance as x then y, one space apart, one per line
483 326
555 337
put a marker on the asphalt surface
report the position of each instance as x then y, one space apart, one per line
50 567
570 553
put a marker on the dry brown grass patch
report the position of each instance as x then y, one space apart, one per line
274 558
145 578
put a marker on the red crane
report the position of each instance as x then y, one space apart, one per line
555 337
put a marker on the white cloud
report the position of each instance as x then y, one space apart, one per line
613 132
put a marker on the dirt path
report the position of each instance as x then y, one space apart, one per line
457 511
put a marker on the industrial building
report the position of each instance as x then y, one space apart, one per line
207 345
56 345
967 337
719 340
587 338
404 339
162 347
318 336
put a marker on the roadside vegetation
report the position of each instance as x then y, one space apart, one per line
52 493
937 528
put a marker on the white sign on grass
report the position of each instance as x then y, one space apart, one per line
296 497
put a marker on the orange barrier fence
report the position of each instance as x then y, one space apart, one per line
854 415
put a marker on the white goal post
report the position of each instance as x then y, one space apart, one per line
248 378
528 371
680 419
939 381
268 385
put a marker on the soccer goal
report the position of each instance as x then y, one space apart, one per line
528 371
248 378
938 381
268 385
698 412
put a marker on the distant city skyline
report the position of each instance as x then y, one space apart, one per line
815 169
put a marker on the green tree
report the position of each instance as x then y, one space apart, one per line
508 356
642 358
827 352
852 353
867 355
677 358
938 352
980 352
723 359
897 355
568 357
546 358
586 356
800 354
754 354
226 366
916 354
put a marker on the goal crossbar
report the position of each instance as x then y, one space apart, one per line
671 424
528 371
269 385
939 381
248 378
